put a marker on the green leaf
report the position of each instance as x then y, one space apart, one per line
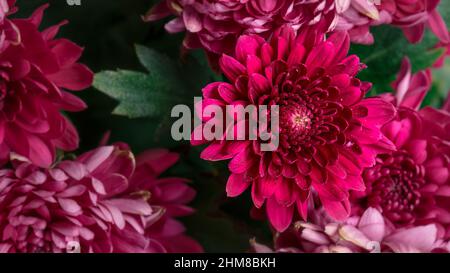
139 94
383 59
159 66
153 93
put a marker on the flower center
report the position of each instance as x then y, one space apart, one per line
308 112
394 185
301 122
296 121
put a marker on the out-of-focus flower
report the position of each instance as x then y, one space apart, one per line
369 232
410 186
328 132
215 25
168 197
97 202
35 71
357 16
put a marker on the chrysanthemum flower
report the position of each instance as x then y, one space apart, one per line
357 16
411 185
369 232
97 202
328 132
168 197
215 25
35 71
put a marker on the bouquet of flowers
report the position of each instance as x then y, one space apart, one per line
225 125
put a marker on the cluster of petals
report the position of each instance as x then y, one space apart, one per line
36 72
8 32
412 16
215 25
329 133
367 233
104 201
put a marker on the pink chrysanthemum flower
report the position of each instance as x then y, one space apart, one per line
412 16
169 198
369 232
97 201
215 25
35 72
328 132
411 185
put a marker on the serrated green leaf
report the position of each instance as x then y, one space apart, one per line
383 59
158 65
139 94
165 84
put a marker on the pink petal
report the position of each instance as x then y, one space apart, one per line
280 216
412 240
372 225
236 185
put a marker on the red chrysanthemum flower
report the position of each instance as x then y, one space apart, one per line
215 25
35 72
412 16
97 201
328 132
410 186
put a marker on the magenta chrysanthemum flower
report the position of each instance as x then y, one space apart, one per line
369 232
411 185
215 25
96 201
412 16
328 132
35 72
